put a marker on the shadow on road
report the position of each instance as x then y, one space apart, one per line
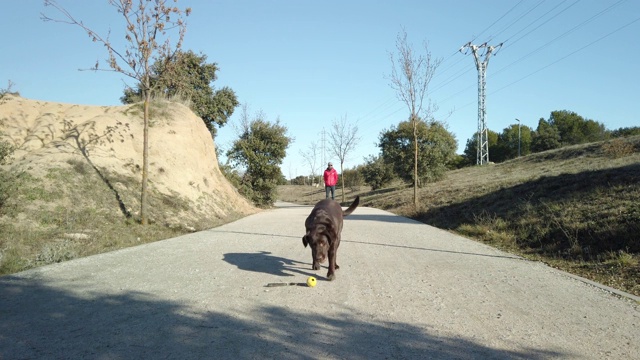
266 263
285 205
259 234
383 218
38 321
511 257
255 265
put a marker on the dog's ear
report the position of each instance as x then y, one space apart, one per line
304 241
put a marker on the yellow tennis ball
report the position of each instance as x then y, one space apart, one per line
311 281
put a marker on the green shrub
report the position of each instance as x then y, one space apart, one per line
353 179
6 149
376 173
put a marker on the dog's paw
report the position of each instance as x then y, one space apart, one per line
316 266
331 276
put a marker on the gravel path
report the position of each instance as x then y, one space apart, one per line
404 290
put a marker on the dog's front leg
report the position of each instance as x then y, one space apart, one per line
331 275
316 264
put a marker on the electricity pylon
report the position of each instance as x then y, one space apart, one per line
481 54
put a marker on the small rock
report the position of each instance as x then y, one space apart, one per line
77 236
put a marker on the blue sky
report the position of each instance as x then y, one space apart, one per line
309 63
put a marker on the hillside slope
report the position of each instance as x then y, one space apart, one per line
76 167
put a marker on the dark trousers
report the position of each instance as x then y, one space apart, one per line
331 189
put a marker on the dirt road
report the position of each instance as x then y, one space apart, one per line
404 290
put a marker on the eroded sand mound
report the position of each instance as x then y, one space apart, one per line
183 164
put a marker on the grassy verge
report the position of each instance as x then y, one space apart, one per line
73 211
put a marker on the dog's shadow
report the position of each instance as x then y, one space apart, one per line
264 262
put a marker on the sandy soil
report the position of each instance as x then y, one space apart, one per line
181 151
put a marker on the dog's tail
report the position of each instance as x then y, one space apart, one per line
352 207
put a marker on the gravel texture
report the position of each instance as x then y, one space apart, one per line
404 290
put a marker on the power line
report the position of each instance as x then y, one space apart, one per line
510 43
443 71
452 77
550 64
381 108
460 74
528 55
474 38
385 104
568 55
542 46
515 21
496 21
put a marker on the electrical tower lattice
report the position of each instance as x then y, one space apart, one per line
481 54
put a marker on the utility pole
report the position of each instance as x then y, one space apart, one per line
481 54
518 120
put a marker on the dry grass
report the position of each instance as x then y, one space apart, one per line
73 212
576 208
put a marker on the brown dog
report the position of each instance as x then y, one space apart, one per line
324 226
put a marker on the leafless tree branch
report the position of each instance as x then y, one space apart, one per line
343 138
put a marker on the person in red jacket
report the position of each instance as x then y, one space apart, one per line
330 181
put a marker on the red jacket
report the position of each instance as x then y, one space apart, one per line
330 177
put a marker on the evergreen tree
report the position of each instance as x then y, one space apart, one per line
188 76
436 149
260 150
546 137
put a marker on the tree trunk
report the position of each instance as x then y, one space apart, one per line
145 160
415 172
342 178
415 162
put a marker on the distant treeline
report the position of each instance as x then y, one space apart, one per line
562 128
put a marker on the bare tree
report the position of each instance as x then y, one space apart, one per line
7 90
410 78
243 123
343 138
290 174
147 23
311 157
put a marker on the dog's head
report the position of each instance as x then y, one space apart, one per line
318 240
